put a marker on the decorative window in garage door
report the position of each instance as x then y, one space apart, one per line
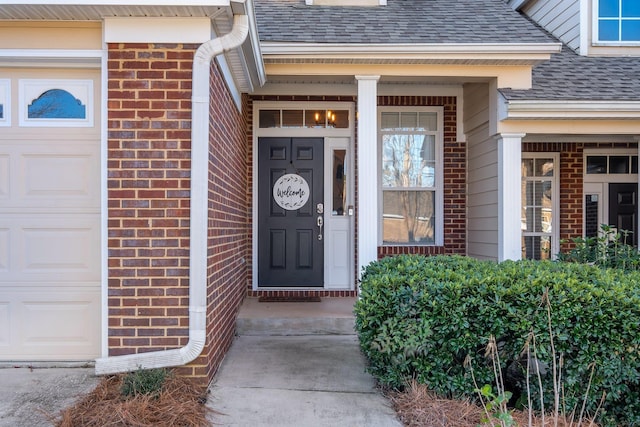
5 107
59 103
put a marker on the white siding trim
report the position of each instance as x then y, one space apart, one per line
368 181
157 30
509 190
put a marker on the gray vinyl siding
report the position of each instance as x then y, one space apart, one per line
560 17
482 175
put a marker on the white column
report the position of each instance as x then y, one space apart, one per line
367 170
509 195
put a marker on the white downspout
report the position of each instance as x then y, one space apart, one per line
198 217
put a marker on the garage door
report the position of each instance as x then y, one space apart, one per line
49 215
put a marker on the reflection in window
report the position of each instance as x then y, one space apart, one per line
339 178
56 104
409 153
1 111
408 217
314 118
537 217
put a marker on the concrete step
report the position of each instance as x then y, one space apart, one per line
331 316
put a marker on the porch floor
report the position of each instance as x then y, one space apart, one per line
330 316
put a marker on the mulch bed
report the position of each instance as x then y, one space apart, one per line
181 402
417 406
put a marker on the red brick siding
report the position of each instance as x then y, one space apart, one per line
229 212
455 179
149 103
149 180
571 183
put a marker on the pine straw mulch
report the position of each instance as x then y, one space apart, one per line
419 407
181 402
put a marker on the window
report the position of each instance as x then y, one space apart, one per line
618 21
312 118
59 103
5 108
539 205
411 149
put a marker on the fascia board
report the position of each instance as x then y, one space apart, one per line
562 110
531 53
349 49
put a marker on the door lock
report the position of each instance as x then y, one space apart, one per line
320 208
320 222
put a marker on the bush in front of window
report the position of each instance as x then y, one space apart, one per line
611 249
422 317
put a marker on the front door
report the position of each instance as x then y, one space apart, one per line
623 209
290 212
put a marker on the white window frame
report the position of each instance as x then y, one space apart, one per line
5 100
596 30
31 89
438 187
555 202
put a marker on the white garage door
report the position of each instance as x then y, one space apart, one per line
49 219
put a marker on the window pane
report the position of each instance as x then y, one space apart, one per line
339 188
634 164
619 164
408 217
630 9
630 30
596 164
608 8
608 30
409 121
292 118
314 118
428 121
408 161
536 247
527 167
544 167
340 119
591 215
390 121
269 118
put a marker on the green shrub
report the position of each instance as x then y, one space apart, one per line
611 249
144 381
420 317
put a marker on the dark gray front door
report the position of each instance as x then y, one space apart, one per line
623 208
290 244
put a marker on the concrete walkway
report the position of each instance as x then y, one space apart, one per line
297 365
297 381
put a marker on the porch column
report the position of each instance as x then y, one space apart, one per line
509 195
367 170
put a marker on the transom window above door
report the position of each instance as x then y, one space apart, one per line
303 118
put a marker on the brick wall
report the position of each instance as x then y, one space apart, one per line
455 179
149 100
149 148
229 213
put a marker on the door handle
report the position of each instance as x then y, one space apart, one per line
320 222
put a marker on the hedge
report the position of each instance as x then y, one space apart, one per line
421 317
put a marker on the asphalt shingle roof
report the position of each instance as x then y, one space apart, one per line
401 21
571 77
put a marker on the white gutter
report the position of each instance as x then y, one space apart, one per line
198 217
